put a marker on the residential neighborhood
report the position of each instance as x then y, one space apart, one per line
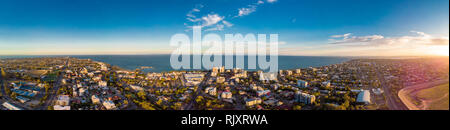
66 83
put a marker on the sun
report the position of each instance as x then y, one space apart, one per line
438 50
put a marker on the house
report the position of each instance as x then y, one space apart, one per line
211 91
220 79
63 100
263 93
326 84
298 71
59 107
109 105
226 95
253 101
95 99
102 83
136 88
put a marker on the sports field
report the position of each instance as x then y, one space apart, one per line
427 96
435 98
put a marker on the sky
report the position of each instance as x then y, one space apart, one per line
305 27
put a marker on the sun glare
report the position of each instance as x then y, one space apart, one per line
439 50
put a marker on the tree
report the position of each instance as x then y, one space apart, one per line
199 99
297 107
159 102
142 95
3 72
14 95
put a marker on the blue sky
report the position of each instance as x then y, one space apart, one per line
305 27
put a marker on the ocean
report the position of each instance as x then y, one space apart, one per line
161 63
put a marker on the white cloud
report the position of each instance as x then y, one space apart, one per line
195 10
260 2
194 19
271 1
246 11
211 19
339 36
218 27
228 24
420 39
252 8
214 21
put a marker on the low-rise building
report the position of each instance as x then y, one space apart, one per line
63 100
95 99
302 84
226 95
211 91
263 93
109 105
136 88
253 101
363 97
59 107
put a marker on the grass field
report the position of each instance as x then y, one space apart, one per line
437 97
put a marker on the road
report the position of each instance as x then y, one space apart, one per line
391 99
198 92
54 89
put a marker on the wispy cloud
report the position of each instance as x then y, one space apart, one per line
210 21
246 11
271 1
252 8
420 38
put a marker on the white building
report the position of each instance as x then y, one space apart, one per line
267 76
102 83
81 91
192 79
95 99
253 101
220 79
298 71
326 84
215 69
222 69
263 93
211 91
103 67
302 84
63 100
304 98
226 95
9 106
288 72
136 88
364 97
58 107
109 105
